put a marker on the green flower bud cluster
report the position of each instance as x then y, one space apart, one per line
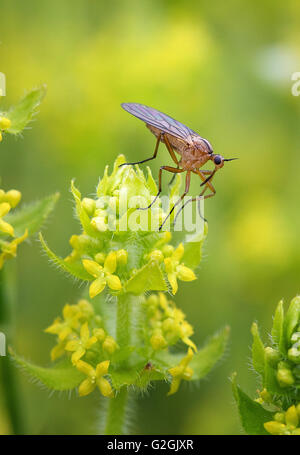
117 251
167 323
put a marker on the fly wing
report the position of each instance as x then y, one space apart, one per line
161 121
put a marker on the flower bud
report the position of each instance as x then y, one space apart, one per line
156 255
275 428
280 417
99 224
272 355
122 257
13 197
167 250
100 258
158 342
109 345
99 334
291 417
285 377
185 273
294 355
89 205
5 123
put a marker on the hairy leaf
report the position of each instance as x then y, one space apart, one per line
148 278
75 269
252 414
32 216
62 376
277 329
21 114
258 351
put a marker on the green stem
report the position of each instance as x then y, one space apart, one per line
116 413
7 372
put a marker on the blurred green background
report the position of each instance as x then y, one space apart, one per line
224 69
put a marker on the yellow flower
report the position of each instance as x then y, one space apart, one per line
103 275
70 322
285 423
5 227
175 270
5 123
9 249
80 345
181 371
94 378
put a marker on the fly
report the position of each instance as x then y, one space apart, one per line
194 151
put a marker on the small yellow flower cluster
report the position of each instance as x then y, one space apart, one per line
168 323
5 123
171 257
105 274
8 201
285 423
79 331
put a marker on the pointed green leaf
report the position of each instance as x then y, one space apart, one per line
148 278
62 376
252 414
32 216
21 114
258 351
208 356
277 329
291 320
75 269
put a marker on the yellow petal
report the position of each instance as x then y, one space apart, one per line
274 427
174 386
99 334
185 273
90 342
57 351
110 263
4 208
102 368
85 368
291 417
178 253
64 333
72 345
77 355
92 267
114 282
97 287
6 228
105 387
84 332
86 387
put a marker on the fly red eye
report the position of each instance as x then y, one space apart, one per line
217 160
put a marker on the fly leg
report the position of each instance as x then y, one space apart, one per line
163 168
147 159
208 185
173 156
187 187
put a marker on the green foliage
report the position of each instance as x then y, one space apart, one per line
62 376
252 415
32 216
21 114
278 367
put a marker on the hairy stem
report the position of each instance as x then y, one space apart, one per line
7 372
116 413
